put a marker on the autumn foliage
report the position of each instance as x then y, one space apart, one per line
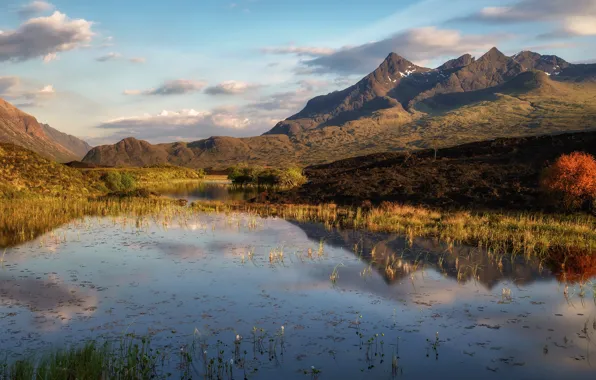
571 179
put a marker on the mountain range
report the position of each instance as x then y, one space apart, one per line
22 129
401 106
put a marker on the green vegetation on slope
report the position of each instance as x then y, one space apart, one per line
24 174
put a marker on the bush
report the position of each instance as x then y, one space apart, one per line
292 177
256 176
117 181
571 180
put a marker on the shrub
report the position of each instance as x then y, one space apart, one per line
292 177
127 182
571 180
117 181
258 176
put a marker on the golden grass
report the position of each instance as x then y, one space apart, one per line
530 234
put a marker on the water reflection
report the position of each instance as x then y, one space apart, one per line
208 191
395 258
213 273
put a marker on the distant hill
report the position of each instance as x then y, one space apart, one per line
20 128
401 106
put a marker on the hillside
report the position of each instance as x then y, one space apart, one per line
503 173
401 106
73 144
20 128
26 173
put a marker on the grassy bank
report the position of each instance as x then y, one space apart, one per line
530 234
150 175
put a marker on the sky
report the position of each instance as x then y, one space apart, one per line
182 70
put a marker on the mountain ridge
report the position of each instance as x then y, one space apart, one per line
22 129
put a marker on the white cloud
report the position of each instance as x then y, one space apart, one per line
173 87
137 60
44 37
50 57
571 17
580 25
49 89
35 7
230 87
8 83
24 94
419 44
132 92
299 50
108 57
186 124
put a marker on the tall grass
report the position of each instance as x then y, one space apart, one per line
530 234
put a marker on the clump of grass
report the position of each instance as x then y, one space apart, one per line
132 358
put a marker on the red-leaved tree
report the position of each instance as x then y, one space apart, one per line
571 179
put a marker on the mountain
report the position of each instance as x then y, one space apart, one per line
74 144
372 93
550 64
214 152
20 128
403 106
457 63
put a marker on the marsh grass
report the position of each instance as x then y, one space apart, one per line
23 220
131 358
527 234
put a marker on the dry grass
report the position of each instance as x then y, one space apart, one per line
22 220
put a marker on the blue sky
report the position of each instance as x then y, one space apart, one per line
184 70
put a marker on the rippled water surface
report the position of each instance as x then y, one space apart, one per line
434 314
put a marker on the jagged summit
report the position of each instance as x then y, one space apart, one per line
550 64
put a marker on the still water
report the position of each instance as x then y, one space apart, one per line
436 313
208 191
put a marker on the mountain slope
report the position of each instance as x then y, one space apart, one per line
401 106
74 144
20 128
